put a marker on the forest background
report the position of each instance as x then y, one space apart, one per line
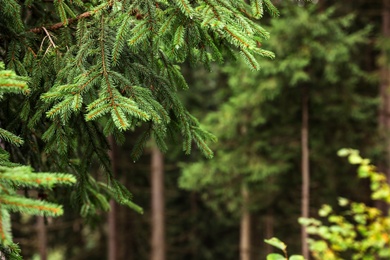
327 85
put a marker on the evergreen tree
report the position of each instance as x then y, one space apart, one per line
100 68
258 127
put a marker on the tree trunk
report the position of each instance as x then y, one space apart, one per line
194 228
112 241
384 112
245 228
42 237
112 232
269 229
158 222
305 169
125 220
384 109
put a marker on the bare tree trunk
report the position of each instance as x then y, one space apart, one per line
124 218
158 205
384 113
384 109
42 237
194 228
112 242
305 169
245 228
112 231
269 229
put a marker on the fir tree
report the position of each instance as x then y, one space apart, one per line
100 68
258 124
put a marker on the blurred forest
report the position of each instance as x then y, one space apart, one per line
278 131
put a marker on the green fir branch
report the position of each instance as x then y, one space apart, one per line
5 226
22 176
30 206
10 137
257 8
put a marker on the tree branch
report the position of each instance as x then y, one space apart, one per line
61 24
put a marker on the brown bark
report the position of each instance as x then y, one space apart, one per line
112 229
112 234
384 110
245 227
42 237
269 229
384 88
305 169
124 218
158 205
57 26
193 232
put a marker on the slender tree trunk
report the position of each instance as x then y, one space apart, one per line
384 113
245 228
112 234
269 229
193 233
125 220
112 230
384 109
42 237
158 205
305 169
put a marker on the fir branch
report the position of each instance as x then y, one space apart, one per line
97 112
185 7
11 11
257 8
60 5
214 10
271 8
5 227
140 143
236 37
250 60
66 22
10 82
121 195
178 39
120 38
10 137
30 206
119 118
3 231
168 23
22 177
204 148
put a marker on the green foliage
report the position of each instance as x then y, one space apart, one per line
101 68
360 231
257 120
14 177
10 82
275 242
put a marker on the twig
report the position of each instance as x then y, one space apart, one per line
61 24
48 35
